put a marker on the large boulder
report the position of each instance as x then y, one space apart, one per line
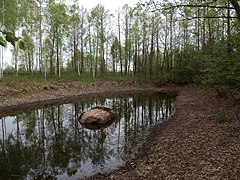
98 117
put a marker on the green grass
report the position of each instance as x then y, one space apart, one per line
25 79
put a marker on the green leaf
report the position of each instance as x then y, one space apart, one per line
10 38
22 45
16 38
3 42
5 32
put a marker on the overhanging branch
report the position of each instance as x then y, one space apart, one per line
191 6
206 17
200 5
236 7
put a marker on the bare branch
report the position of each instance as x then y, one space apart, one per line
191 6
205 17
199 5
236 7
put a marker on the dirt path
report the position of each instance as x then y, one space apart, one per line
201 141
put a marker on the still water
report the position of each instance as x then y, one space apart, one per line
50 142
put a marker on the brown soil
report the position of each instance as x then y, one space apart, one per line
201 141
12 99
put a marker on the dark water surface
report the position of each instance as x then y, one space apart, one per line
50 142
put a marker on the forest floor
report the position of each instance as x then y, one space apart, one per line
200 141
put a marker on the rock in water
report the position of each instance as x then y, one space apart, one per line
98 117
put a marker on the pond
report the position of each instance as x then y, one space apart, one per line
50 142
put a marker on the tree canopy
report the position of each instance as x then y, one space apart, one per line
183 42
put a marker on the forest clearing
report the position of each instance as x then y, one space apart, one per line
164 74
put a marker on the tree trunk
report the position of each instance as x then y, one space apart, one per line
102 63
158 54
40 38
126 45
82 68
1 62
236 7
120 46
29 62
52 53
58 63
151 52
228 27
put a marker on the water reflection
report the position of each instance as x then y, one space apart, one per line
50 142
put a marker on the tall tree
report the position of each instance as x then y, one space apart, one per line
75 23
83 30
127 45
119 40
115 53
58 20
100 17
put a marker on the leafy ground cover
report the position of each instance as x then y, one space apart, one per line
201 141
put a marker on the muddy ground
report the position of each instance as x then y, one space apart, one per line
200 141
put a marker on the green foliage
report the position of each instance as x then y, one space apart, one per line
3 42
11 38
22 45
188 66
223 63
66 76
8 15
115 48
170 44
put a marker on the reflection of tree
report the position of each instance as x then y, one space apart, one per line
59 156
11 151
4 163
96 147
50 141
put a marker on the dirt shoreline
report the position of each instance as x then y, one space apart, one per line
50 95
201 141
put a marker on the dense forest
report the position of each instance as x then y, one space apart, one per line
183 41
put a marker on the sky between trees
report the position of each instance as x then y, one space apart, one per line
182 41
